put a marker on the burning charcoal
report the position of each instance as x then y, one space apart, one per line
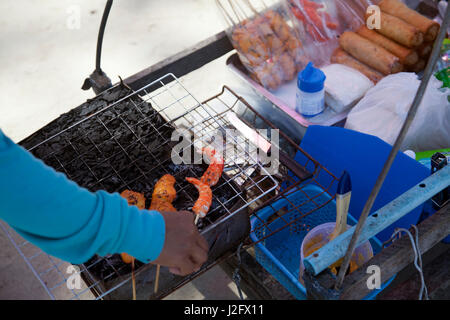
88 181
133 116
52 162
103 170
112 184
110 148
75 168
126 138
114 124
106 116
131 173
98 135
135 150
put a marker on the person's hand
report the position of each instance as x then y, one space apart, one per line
185 250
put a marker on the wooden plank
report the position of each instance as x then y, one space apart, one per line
436 272
397 256
184 62
320 287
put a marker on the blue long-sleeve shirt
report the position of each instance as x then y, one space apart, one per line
68 221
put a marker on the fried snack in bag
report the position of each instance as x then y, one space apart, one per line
267 45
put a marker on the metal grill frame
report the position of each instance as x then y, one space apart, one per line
215 120
167 85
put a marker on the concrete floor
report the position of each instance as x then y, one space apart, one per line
44 61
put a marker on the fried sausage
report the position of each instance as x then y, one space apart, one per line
342 57
407 56
398 30
428 27
370 53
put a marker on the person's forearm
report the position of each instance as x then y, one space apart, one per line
66 220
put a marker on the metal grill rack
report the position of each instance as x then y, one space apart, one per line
156 110
289 181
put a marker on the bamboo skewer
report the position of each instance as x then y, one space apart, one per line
244 13
133 279
251 7
158 268
226 15
239 18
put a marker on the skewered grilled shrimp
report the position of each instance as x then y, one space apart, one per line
203 203
215 169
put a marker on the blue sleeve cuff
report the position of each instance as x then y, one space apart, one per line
145 235
141 233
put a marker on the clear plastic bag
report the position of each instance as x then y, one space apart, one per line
320 22
384 108
267 45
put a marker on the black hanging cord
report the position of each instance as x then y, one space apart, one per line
101 32
98 80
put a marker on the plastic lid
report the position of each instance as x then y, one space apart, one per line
311 79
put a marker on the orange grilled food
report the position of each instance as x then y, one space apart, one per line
163 196
134 199
215 169
203 203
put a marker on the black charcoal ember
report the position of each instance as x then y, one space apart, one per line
103 169
107 116
53 162
75 168
112 183
125 139
135 150
111 148
131 173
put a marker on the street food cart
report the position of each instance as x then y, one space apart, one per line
122 139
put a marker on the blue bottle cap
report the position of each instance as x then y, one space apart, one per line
311 79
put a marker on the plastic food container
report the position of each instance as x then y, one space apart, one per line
319 236
311 91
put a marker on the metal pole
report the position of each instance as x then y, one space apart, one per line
406 125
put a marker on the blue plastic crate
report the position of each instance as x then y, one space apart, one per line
279 254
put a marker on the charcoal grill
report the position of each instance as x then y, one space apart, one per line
136 110
122 140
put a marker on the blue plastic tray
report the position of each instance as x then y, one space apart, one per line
279 254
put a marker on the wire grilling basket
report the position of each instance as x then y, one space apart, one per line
122 139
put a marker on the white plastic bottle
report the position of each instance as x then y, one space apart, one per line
311 91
